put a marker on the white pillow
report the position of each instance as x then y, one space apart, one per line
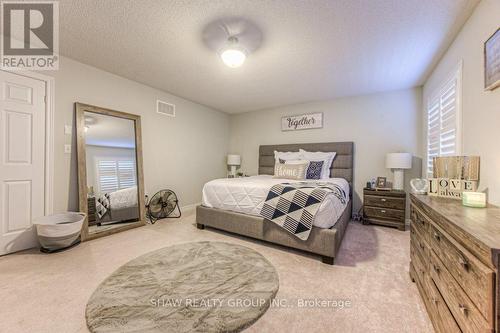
286 156
327 159
296 162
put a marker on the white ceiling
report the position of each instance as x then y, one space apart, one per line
109 131
310 51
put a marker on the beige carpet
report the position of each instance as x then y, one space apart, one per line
48 293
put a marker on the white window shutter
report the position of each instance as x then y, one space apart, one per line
115 175
108 176
443 122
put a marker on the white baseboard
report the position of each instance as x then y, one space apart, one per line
189 208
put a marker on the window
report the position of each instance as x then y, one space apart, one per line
444 121
115 175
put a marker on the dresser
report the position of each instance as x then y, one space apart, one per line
384 208
454 263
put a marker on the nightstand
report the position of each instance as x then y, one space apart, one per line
91 210
384 208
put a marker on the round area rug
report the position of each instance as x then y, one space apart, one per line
191 287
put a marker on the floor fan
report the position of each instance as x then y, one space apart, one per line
162 205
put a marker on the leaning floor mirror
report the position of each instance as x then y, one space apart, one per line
110 176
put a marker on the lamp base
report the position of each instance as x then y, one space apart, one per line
232 172
399 179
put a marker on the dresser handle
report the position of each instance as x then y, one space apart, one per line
383 200
463 308
421 246
434 300
437 236
382 211
463 262
436 268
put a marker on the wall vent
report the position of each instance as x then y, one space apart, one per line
165 108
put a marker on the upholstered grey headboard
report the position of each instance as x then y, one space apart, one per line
342 166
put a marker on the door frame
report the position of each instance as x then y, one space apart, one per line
49 134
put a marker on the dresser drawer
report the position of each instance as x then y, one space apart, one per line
471 274
464 311
440 313
421 246
420 222
385 213
384 202
418 265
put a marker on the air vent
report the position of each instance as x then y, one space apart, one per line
165 108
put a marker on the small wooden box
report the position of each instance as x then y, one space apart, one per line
386 208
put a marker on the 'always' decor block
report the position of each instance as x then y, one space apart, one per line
454 175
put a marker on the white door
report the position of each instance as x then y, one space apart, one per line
22 160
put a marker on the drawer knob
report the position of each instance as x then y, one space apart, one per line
382 211
383 200
437 236
421 246
463 262
436 268
434 300
463 309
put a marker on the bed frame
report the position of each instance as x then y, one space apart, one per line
325 242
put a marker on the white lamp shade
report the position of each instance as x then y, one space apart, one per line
233 159
398 161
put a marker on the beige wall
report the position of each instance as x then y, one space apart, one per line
180 153
378 124
480 109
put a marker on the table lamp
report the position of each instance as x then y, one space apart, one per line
233 161
398 162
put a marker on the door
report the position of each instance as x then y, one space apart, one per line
22 160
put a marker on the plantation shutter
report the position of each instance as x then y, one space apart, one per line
116 175
442 123
126 173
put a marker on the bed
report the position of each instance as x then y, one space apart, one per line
242 217
117 207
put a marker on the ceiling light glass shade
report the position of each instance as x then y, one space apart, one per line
233 57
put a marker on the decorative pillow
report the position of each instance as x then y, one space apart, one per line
286 156
319 156
282 161
314 170
290 171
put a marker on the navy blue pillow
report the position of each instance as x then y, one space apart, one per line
314 170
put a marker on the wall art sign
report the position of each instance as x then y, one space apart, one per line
302 122
492 61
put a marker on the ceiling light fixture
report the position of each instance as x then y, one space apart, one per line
233 55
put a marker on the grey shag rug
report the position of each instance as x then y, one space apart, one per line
191 287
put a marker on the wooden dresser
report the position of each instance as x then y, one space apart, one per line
454 262
384 208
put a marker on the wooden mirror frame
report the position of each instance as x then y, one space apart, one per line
80 110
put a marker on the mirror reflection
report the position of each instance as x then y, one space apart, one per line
112 192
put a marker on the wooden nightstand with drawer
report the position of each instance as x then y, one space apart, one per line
384 208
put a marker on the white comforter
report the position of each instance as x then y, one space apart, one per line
247 195
123 198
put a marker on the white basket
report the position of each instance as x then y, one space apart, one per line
59 230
